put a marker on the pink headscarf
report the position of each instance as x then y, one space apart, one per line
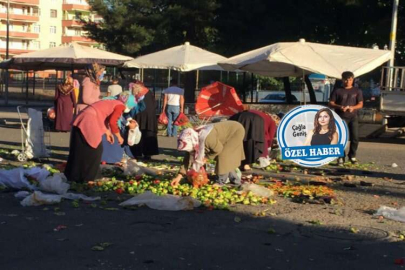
191 140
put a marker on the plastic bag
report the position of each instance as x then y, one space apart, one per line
55 183
73 196
132 167
39 198
181 120
134 136
22 194
391 213
163 119
197 179
257 190
166 202
15 179
35 144
263 162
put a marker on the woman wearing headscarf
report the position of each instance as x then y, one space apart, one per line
253 142
90 88
148 146
270 129
65 102
113 153
221 141
89 126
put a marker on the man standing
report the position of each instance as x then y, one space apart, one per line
346 101
173 105
114 89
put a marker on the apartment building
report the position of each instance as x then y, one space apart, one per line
41 24
74 11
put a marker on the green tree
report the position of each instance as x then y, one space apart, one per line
127 25
142 26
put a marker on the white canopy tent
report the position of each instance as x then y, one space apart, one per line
181 58
297 58
64 57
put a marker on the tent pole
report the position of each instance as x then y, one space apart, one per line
43 81
33 85
196 81
26 89
303 87
243 85
6 75
251 90
154 82
56 80
168 79
22 81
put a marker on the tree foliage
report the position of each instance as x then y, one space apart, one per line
230 27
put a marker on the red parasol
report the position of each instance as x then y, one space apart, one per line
218 99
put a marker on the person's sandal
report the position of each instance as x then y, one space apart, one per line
354 160
246 168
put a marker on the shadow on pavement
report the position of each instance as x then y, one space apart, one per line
198 239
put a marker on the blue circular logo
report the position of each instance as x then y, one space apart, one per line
312 136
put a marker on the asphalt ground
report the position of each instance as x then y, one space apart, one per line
142 238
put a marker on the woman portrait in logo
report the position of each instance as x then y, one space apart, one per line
324 131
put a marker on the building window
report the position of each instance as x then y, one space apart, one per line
37 28
36 45
52 44
54 13
78 32
24 28
52 29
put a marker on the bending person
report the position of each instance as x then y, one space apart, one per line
221 141
146 119
114 153
254 140
324 132
86 147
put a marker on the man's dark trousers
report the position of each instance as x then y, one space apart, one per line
353 126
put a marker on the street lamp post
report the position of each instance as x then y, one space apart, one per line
7 50
393 35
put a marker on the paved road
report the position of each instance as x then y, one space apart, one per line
148 239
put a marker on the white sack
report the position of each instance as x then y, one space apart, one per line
166 202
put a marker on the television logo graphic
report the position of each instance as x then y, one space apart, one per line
312 136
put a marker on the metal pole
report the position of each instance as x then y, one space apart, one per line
7 51
33 85
168 79
26 90
393 35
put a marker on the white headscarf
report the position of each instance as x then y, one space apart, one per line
193 141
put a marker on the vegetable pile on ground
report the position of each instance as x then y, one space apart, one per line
304 193
212 196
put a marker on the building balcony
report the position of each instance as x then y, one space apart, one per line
22 35
72 23
20 17
25 2
70 39
71 7
13 51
